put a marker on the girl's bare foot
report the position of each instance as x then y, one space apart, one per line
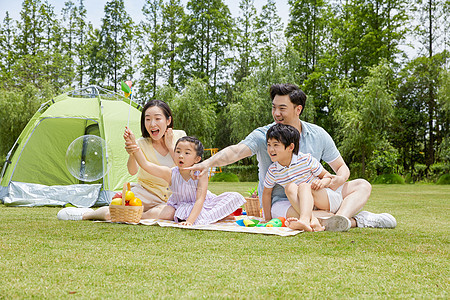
229 217
296 224
315 225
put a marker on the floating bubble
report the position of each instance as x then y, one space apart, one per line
87 159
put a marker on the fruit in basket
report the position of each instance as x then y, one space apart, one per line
117 195
129 195
135 202
116 201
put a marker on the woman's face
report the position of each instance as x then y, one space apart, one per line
156 122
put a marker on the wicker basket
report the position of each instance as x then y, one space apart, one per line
252 207
125 214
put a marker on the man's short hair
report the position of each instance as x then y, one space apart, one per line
285 134
296 95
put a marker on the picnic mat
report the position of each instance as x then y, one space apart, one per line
226 226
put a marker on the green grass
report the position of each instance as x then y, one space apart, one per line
41 257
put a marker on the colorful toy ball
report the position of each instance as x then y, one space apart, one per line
274 223
282 221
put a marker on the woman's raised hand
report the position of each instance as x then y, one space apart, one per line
130 141
168 138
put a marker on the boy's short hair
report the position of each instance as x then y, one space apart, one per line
285 134
198 146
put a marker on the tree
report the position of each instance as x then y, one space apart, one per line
208 39
116 36
7 34
431 14
195 112
28 44
173 28
245 40
74 43
152 47
365 32
308 38
268 29
421 127
364 115
57 64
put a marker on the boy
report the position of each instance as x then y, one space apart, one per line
299 174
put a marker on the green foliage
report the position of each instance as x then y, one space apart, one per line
363 115
250 109
17 106
439 169
409 178
342 56
253 192
225 177
244 172
444 179
194 112
419 171
384 161
389 179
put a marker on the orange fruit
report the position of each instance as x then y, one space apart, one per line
135 202
129 195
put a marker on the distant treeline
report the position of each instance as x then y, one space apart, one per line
386 112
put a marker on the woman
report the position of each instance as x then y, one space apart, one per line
157 144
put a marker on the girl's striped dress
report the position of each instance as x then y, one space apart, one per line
214 208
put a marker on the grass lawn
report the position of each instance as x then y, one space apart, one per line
41 257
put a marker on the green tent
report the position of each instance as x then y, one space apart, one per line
35 171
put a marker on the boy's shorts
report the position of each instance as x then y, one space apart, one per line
280 208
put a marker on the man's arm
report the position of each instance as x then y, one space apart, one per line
224 157
342 173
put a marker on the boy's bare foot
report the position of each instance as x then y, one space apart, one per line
296 224
315 225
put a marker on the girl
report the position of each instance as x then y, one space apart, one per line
190 202
157 144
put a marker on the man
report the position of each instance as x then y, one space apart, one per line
288 102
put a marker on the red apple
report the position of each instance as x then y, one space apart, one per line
117 195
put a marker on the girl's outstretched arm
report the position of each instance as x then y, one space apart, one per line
153 169
202 189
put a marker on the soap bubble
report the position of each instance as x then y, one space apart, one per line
87 158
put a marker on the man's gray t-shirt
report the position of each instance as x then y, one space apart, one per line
313 139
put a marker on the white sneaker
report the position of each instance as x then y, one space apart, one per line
73 213
336 223
368 219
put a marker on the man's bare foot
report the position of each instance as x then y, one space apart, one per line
296 224
315 225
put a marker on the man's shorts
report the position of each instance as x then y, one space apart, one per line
280 208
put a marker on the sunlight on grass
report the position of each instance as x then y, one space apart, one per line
45 258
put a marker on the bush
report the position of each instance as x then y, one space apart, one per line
408 178
389 179
444 179
244 173
225 177
439 169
